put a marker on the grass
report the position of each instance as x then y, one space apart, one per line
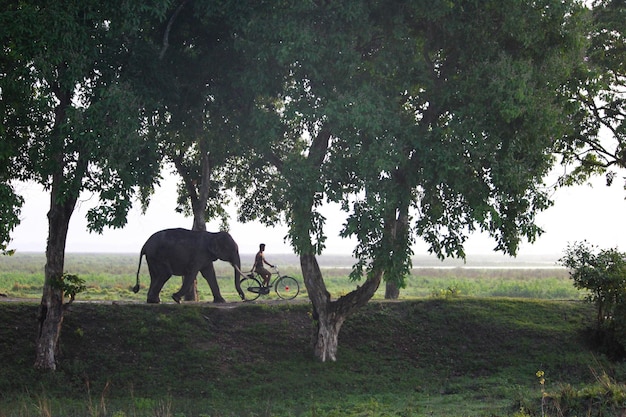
444 357
451 347
111 277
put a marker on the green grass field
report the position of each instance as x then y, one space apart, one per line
460 343
111 277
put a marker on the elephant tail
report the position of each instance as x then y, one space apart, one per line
136 287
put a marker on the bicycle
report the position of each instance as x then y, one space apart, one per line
286 287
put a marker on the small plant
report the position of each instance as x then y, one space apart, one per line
163 408
70 285
605 397
449 292
43 407
97 408
542 382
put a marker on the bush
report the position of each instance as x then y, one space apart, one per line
605 397
603 274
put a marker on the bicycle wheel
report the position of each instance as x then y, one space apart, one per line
251 288
287 287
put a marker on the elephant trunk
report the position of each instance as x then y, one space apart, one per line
238 275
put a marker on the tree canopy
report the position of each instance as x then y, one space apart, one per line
193 84
75 124
599 145
421 119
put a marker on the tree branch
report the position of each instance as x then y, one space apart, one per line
166 35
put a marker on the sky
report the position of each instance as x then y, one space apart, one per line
594 213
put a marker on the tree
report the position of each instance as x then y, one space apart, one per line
602 273
600 146
10 204
196 86
85 128
429 120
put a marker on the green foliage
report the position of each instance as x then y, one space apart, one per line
10 204
604 397
84 126
70 284
599 145
387 109
602 274
193 76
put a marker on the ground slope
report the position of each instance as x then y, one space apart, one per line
399 358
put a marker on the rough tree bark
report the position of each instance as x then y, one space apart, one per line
51 307
62 204
330 315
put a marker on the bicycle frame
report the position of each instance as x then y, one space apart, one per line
286 287
273 278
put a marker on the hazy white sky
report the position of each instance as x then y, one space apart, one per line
597 214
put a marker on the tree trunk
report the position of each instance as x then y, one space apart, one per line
398 232
63 197
51 307
392 291
198 199
327 337
330 315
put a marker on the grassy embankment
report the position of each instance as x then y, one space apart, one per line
443 357
455 356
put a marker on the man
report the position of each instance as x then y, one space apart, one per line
259 260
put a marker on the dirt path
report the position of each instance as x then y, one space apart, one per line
232 304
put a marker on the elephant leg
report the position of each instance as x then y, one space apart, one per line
192 294
158 277
208 273
187 284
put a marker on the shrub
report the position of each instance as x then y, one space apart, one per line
603 274
605 397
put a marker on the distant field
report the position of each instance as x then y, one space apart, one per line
111 277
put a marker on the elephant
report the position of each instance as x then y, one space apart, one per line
185 252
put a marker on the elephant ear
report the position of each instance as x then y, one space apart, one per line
218 245
213 247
